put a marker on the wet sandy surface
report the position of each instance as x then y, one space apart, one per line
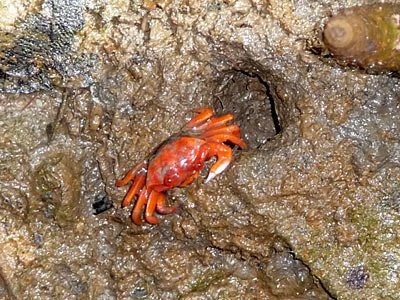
309 211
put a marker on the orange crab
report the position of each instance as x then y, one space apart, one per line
178 161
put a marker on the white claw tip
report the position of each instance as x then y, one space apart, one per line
210 176
215 171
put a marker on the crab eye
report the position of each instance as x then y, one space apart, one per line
172 179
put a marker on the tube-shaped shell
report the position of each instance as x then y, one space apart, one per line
367 36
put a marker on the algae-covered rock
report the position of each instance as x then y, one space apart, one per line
36 44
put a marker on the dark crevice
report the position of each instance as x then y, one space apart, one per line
263 262
324 288
270 96
317 280
274 113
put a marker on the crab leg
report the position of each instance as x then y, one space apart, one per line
134 190
130 175
138 207
161 208
224 157
215 122
203 115
221 138
230 129
150 208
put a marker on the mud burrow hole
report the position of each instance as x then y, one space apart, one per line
249 98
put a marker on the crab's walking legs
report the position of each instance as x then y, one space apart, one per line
215 123
135 188
203 115
150 208
161 208
205 120
230 129
131 174
221 138
157 203
138 207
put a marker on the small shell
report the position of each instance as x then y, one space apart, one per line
367 36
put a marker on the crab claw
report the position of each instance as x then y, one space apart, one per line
224 157
217 171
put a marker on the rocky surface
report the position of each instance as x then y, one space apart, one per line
310 211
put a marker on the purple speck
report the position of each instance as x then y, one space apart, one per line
357 278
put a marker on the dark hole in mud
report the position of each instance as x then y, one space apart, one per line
251 100
101 204
139 293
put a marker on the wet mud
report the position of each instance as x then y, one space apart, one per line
309 211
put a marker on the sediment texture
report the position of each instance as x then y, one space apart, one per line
310 211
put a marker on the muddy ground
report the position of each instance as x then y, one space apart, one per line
89 88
